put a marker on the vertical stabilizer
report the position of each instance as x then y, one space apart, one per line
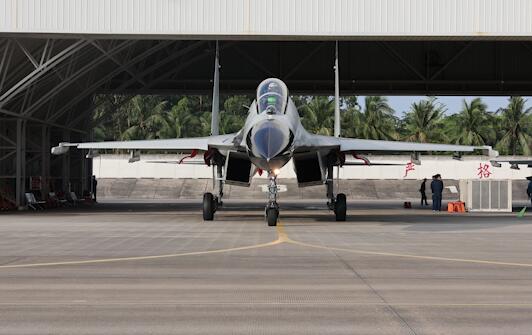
215 118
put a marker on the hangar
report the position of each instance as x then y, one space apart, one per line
55 55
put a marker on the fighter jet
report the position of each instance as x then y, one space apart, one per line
272 136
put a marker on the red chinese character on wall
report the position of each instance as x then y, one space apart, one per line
409 167
483 171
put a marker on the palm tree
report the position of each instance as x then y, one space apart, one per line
423 121
234 113
179 120
350 116
377 122
515 126
472 125
317 114
144 119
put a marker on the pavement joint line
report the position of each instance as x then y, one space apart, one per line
303 303
282 237
390 307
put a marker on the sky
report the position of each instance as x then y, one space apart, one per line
402 104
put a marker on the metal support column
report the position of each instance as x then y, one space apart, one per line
336 94
45 160
65 168
20 177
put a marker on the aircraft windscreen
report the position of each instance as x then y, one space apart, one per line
272 96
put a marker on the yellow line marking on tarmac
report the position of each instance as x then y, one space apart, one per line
391 254
279 240
282 237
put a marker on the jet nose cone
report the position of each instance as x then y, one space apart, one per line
269 140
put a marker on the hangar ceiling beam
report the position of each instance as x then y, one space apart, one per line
39 72
128 83
46 51
255 63
304 60
6 156
450 61
73 77
28 54
124 67
90 90
4 63
392 52
164 62
7 139
36 120
183 65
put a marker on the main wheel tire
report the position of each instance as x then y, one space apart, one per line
208 207
272 215
340 207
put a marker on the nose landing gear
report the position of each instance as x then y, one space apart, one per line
272 208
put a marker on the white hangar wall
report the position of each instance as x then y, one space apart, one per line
117 166
276 18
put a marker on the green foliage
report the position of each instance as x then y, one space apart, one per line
516 128
473 125
350 117
377 121
234 113
423 123
317 114
149 117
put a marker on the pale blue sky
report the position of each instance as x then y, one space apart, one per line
402 104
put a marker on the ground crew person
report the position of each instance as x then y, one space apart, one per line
94 186
422 191
529 191
436 187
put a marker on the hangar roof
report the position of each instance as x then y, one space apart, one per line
56 54
277 19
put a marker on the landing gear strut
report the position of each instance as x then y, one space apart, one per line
272 208
211 203
337 203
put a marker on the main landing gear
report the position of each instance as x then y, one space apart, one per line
272 208
209 206
337 203
211 203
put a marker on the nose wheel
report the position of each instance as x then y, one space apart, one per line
272 208
272 215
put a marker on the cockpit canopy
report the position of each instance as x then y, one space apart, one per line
272 96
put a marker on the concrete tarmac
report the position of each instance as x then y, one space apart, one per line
148 268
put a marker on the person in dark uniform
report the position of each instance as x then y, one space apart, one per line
422 191
436 187
529 190
94 186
